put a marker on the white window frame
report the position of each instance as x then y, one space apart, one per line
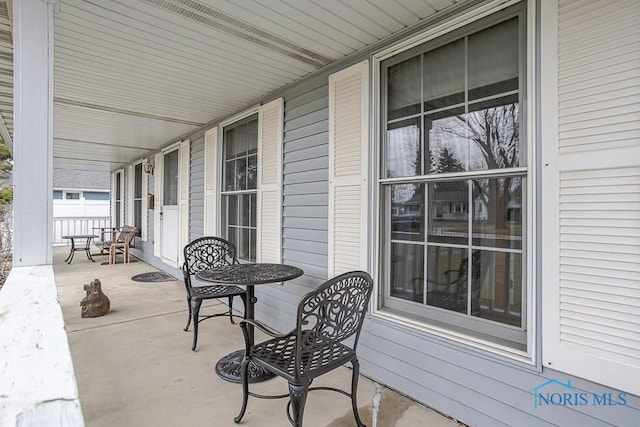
529 356
222 218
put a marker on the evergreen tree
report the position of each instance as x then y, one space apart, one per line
6 166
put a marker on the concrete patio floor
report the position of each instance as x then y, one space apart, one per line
135 367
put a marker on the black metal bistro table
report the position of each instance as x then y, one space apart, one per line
249 275
86 248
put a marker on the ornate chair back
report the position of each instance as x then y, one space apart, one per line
331 314
206 253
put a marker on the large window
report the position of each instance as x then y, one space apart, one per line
453 179
240 151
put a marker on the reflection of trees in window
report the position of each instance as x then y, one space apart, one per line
493 135
446 161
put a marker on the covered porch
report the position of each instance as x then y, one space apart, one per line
134 366
273 124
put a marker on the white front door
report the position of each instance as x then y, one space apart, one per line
169 213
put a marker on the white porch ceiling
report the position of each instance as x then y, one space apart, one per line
133 75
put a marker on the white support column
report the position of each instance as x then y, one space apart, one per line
33 147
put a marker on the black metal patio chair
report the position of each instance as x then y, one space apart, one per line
207 253
326 317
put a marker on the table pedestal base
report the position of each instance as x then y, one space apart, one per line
228 368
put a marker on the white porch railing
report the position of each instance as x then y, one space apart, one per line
37 382
65 226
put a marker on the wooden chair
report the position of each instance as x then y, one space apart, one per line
207 253
123 243
326 317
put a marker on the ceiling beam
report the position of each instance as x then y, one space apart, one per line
80 104
78 141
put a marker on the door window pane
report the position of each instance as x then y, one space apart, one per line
171 178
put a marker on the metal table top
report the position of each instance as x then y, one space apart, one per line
250 274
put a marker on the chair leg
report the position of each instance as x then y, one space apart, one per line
355 375
244 304
231 310
195 313
298 398
186 328
244 374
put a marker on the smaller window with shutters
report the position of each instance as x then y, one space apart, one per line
240 184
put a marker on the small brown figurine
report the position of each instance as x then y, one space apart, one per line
95 304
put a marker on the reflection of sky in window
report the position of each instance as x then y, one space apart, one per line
402 158
403 146
402 193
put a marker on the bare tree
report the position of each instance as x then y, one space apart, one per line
494 134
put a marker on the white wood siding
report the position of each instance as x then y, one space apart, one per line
210 181
183 205
348 151
592 299
270 122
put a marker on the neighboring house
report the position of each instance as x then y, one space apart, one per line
80 193
531 108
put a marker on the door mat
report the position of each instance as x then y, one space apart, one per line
155 276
